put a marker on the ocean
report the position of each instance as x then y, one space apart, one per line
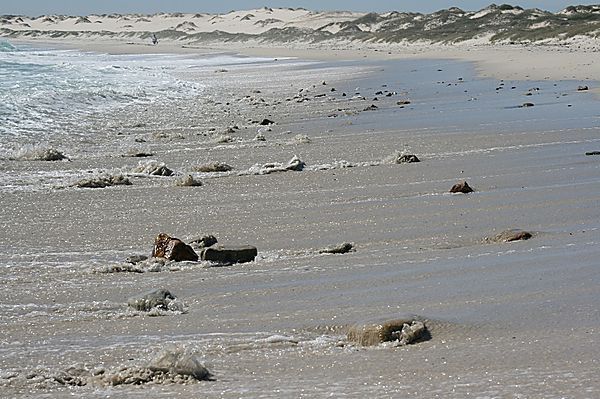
50 96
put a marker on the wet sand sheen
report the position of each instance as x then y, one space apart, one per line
505 319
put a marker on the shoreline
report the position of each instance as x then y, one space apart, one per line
500 62
493 308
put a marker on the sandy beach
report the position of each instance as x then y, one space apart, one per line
506 319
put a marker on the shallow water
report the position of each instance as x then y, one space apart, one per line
507 320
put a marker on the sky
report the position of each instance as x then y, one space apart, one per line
85 7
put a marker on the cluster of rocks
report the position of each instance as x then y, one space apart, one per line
167 367
173 249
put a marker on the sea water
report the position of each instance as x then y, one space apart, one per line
50 95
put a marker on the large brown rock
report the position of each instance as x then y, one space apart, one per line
229 254
404 330
461 187
173 249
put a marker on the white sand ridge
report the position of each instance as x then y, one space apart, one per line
575 25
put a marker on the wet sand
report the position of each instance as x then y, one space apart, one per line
506 319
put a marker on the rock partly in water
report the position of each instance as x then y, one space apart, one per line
153 167
400 157
338 249
371 107
592 153
203 241
102 181
527 105
511 235
403 330
173 249
266 122
301 139
154 299
212 167
187 181
295 164
179 362
582 88
229 254
31 153
461 187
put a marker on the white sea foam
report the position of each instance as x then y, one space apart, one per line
52 94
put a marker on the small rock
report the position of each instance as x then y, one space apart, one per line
153 299
295 164
102 181
266 122
173 249
403 330
582 88
187 181
301 139
371 107
527 105
403 102
179 363
229 254
260 137
461 187
338 249
593 153
204 241
153 168
138 154
512 235
212 167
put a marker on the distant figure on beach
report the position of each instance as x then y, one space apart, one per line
154 39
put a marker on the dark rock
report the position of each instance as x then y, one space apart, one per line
512 235
527 105
229 254
338 249
204 241
404 330
403 102
371 107
593 153
266 122
408 158
582 88
461 187
153 299
173 249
